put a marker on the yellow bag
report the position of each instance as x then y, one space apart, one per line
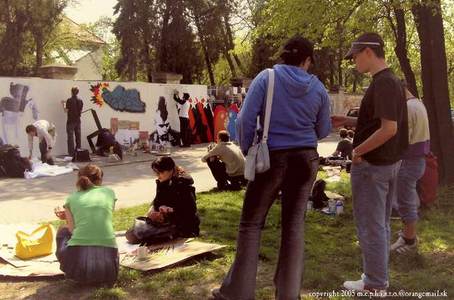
38 243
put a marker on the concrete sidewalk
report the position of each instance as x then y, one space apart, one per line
31 201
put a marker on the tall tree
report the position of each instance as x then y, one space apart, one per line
429 24
44 16
15 20
395 14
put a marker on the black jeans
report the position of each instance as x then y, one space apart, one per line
224 181
185 132
73 129
45 158
293 172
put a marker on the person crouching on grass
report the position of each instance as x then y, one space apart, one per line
174 204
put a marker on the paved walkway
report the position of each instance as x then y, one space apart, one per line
31 201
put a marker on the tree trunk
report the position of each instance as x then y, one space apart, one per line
331 70
229 33
206 53
163 55
39 50
225 51
429 24
400 34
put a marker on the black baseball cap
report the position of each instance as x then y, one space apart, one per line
366 40
298 48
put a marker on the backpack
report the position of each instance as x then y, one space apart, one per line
318 197
427 185
11 163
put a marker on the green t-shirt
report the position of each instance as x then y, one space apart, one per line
92 214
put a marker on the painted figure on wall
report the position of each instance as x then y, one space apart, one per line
164 133
120 99
12 108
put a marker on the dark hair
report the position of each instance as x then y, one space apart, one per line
74 90
343 133
89 176
30 128
297 50
166 163
379 52
186 96
351 133
374 37
224 136
162 108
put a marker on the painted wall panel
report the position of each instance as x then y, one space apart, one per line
21 97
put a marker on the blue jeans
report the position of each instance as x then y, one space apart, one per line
373 189
293 172
410 172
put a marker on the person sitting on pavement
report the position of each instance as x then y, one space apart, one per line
86 245
45 131
226 162
344 147
174 204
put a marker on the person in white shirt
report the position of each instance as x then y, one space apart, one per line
45 131
183 113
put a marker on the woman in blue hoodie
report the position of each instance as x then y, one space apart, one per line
299 118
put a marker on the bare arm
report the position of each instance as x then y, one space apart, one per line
69 219
341 121
63 104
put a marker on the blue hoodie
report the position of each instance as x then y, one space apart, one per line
300 112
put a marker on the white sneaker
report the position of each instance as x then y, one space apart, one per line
400 246
359 285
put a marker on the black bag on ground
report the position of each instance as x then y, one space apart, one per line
147 232
318 197
11 163
81 155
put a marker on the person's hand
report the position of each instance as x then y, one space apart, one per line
165 209
62 102
338 121
156 216
60 213
356 159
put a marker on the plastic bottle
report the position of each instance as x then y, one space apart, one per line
339 207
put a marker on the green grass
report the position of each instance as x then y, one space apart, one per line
332 253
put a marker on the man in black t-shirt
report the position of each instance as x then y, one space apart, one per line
73 107
380 139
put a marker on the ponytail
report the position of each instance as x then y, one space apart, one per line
89 176
84 183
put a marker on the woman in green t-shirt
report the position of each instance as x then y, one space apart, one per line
86 246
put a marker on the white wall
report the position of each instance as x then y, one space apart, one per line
48 93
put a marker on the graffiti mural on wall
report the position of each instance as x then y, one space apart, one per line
164 133
12 109
120 99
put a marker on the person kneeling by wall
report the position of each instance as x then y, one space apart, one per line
86 246
173 212
226 162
